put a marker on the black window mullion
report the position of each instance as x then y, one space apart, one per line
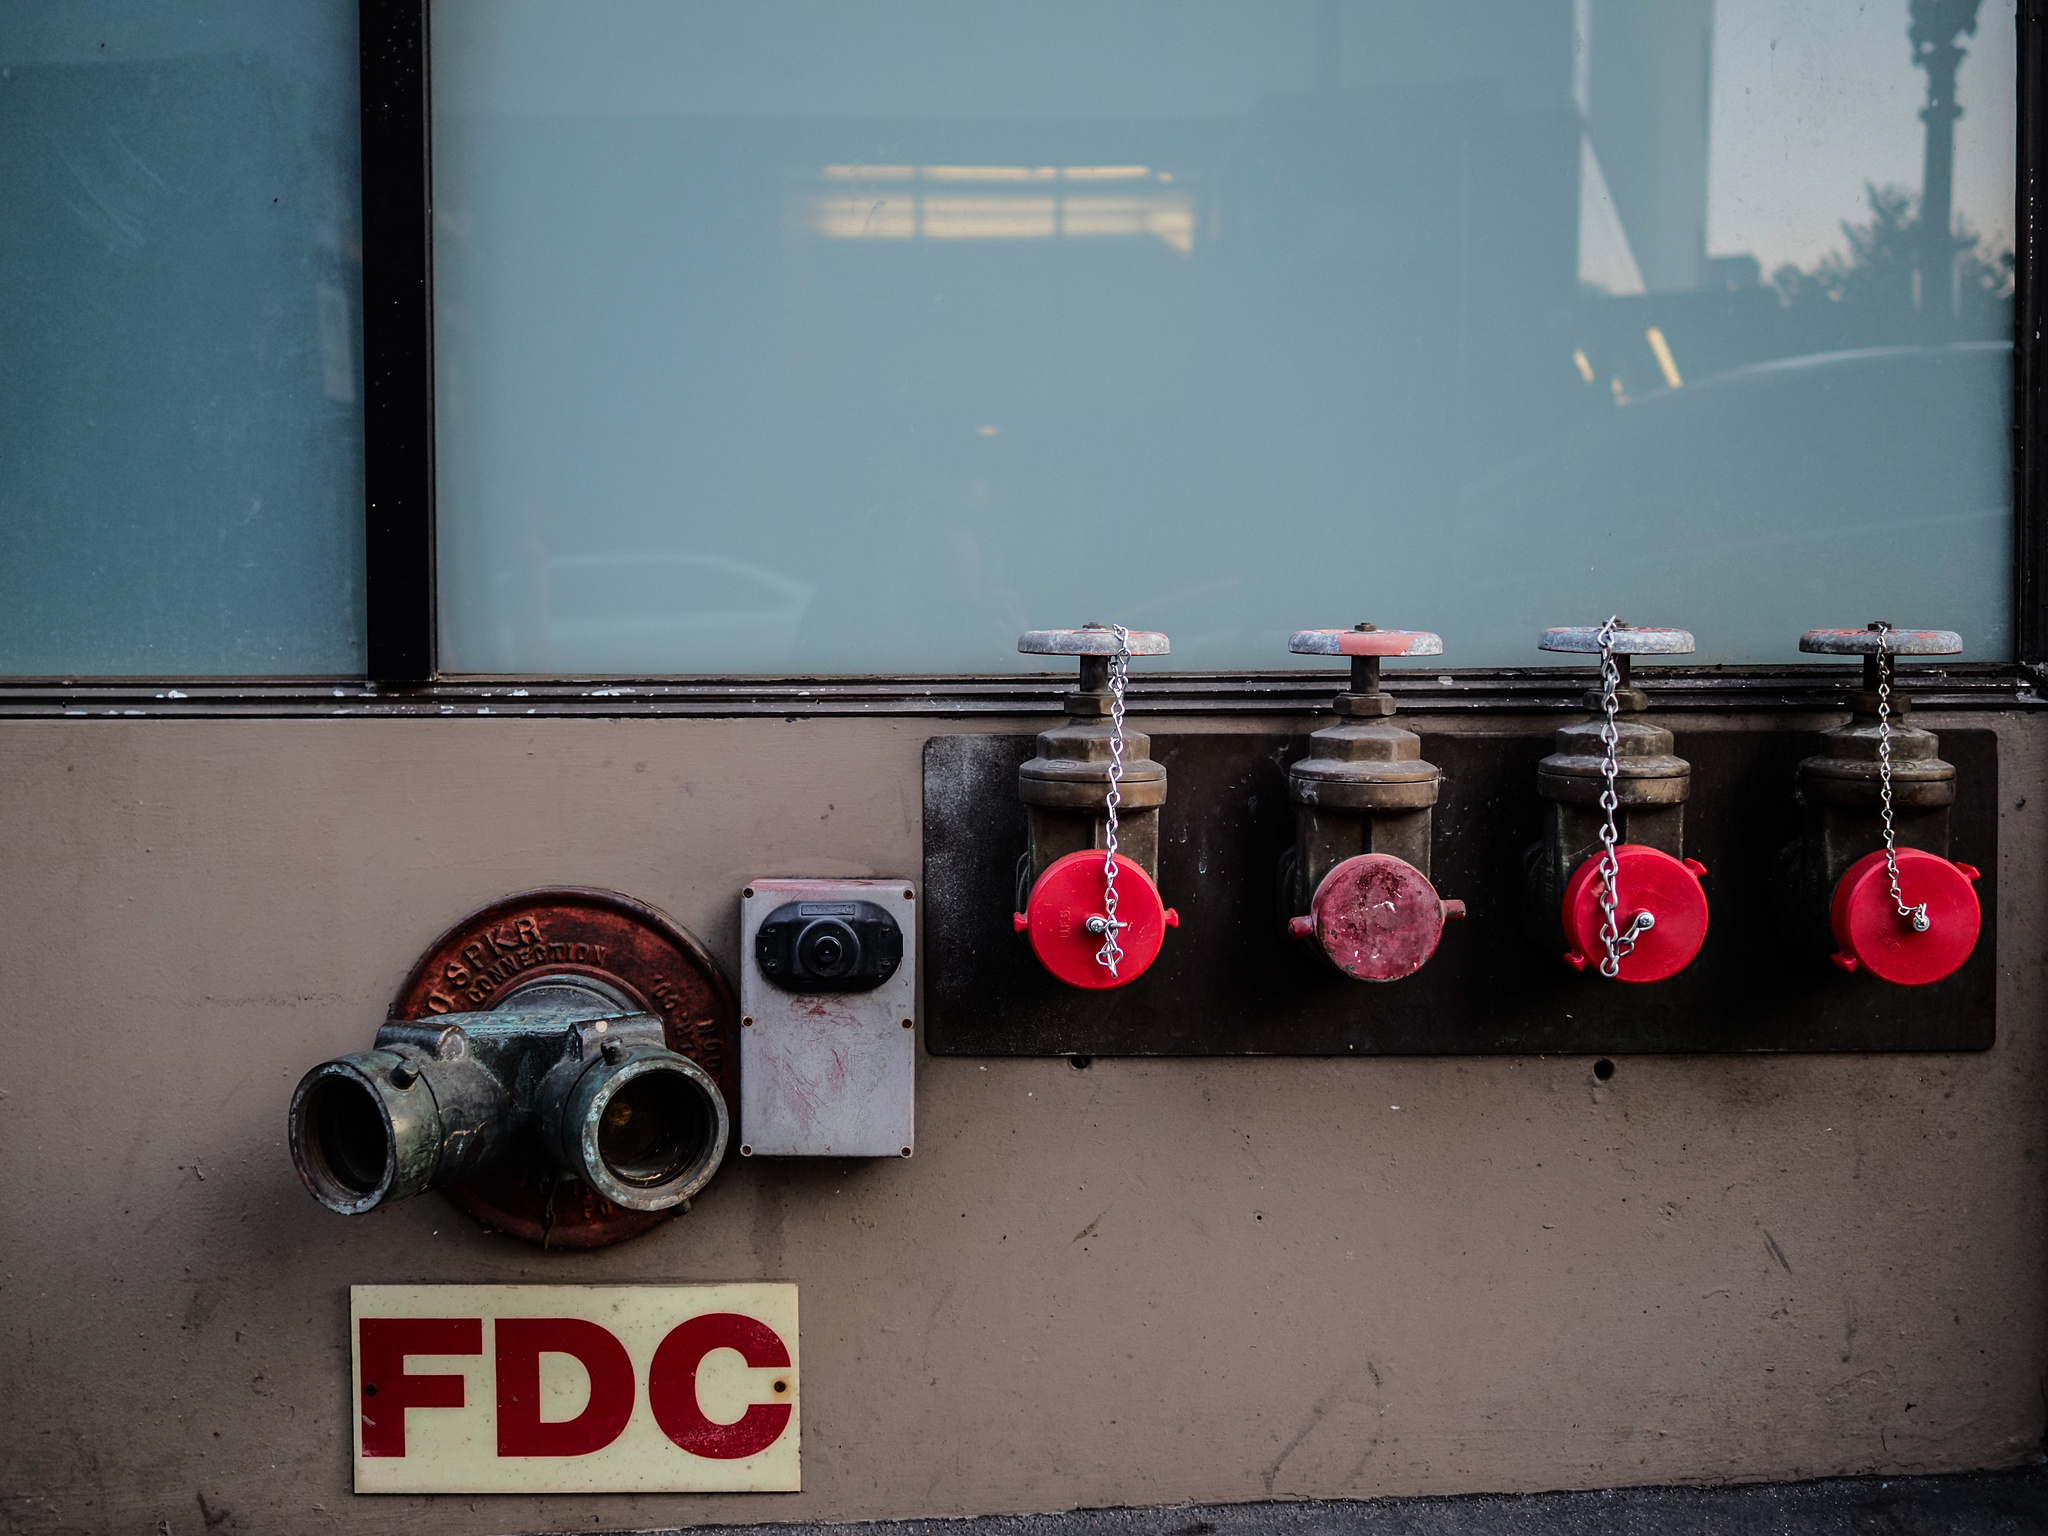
398 358
2030 388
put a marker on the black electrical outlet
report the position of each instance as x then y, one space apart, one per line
829 946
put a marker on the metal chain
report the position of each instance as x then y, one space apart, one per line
1917 916
1618 945
1112 953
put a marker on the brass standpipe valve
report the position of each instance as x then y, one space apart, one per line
1087 886
1609 885
1356 883
1870 878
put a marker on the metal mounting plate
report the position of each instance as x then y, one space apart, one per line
828 1074
1231 982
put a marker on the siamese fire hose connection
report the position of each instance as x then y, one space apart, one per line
531 1069
436 1102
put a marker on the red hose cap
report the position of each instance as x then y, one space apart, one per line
1377 917
1068 894
1875 938
1668 889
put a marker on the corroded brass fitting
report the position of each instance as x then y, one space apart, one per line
1651 782
1356 882
593 1089
1364 787
1838 789
1066 783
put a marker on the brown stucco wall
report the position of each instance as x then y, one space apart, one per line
1145 1282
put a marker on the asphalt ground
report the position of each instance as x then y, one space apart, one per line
1971 1504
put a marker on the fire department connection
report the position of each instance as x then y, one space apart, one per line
573 1068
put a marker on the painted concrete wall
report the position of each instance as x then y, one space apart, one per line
1143 1282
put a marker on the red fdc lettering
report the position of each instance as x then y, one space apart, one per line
382 1344
521 1341
672 1386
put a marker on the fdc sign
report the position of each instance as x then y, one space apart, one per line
575 1389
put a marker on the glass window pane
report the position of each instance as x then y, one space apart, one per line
181 443
798 336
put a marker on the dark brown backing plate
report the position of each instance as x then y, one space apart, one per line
1229 980
570 931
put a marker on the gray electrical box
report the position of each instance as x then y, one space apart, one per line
828 995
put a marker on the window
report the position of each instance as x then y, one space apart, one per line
799 338
793 337
181 446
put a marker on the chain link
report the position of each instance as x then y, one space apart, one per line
1617 944
1112 952
1917 916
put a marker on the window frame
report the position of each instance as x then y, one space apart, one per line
403 673
398 341
2030 387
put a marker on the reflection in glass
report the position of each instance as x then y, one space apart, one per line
879 206
799 338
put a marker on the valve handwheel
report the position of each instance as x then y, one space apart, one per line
1090 640
1068 898
1651 882
1895 642
1365 642
1627 640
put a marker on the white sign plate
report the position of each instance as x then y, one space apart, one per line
575 1388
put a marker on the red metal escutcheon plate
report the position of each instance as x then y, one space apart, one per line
1875 938
1068 894
568 931
1651 881
1377 917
